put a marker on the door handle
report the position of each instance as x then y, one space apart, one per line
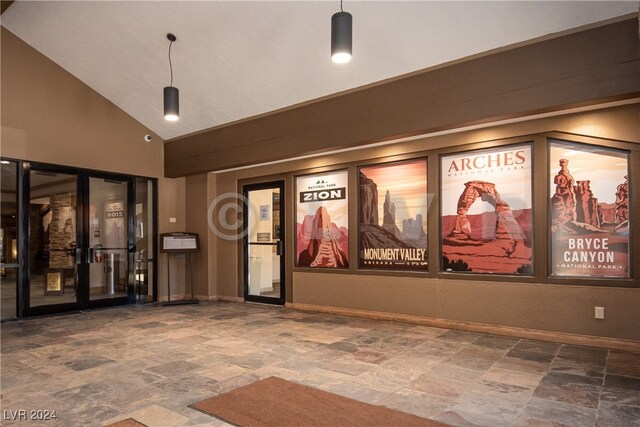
280 248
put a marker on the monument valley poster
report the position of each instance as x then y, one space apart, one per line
486 211
589 205
393 216
322 220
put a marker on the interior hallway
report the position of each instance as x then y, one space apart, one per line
150 362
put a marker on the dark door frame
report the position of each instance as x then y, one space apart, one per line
82 227
280 245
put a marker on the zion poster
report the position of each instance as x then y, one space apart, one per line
393 216
322 220
589 205
486 210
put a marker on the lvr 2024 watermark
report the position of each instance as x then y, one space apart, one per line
28 415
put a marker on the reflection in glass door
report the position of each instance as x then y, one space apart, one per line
108 238
53 236
264 243
9 240
144 247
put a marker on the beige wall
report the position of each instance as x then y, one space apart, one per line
539 306
52 117
579 67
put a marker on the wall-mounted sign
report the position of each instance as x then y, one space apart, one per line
393 216
486 211
264 212
589 208
322 220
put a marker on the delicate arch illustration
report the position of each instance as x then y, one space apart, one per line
506 227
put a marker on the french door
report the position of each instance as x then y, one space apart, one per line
264 268
86 237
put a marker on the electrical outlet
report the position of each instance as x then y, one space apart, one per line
173 220
599 313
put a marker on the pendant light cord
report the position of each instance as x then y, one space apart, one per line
341 10
170 65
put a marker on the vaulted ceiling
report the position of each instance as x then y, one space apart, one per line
237 59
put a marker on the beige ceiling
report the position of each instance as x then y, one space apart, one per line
236 59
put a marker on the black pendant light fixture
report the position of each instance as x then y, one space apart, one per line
341 26
171 94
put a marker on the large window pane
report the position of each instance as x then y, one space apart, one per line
9 240
322 217
144 260
393 216
589 204
486 207
52 238
108 238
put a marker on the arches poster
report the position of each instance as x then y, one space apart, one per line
393 216
589 211
486 211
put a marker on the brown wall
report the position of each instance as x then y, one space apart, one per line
525 303
50 116
583 67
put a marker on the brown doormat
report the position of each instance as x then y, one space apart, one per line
129 422
277 402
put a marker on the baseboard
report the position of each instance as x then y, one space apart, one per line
226 298
558 337
174 297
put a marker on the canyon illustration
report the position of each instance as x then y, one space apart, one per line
322 236
589 214
393 207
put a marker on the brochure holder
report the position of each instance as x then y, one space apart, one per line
179 245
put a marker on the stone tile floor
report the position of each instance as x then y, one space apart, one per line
151 362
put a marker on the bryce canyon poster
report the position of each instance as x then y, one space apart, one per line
589 205
486 209
393 216
322 220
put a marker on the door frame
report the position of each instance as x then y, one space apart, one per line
83 300
87 302
246 188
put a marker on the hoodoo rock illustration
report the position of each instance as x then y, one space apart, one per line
413 229
622 202
324 247
389 216
574 209
506 226
587 208
368 200
563 202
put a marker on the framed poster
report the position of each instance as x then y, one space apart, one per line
53 283
322 220
589 210
392 211
486 209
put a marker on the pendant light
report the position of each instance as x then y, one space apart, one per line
171 94
341 25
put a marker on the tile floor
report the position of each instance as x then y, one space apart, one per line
151 362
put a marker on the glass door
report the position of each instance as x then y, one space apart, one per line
9 261
145 224
264 270
54 230
108 239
